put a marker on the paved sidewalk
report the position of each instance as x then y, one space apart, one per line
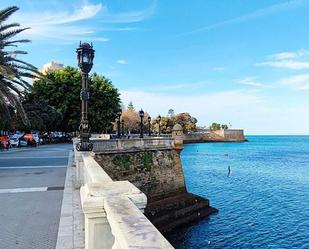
31 192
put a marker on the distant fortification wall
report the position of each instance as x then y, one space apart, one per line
215 136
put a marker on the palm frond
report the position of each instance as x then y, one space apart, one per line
14 72
14 101
12 43
5 13
8 34
8 26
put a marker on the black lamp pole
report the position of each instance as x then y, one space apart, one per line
122 127
85 55
159 118
149 126
118 123
141 114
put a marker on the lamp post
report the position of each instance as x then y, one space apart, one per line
149 126
85 55
118 123
141 114
122 128
159 119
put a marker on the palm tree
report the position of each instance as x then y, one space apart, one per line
13 72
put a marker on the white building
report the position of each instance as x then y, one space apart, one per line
51 66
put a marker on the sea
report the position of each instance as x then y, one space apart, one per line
263 203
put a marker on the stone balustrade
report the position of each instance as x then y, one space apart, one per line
113 210
108 145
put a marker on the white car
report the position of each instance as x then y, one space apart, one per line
14 141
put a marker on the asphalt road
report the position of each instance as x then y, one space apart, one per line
31 189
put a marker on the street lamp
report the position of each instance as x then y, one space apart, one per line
149 126
118 123
85 54
141 114
159 119
122 127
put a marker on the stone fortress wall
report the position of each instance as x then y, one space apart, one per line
153 165
229 135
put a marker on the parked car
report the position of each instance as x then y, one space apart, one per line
29 138
14 141
22 143
4 142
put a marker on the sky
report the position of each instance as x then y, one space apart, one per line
240 62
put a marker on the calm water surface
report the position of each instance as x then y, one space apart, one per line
263 204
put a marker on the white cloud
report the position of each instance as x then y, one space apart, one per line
296 82
288 60
215 106
287 64
66 25
250 81
122 62
243 109
273 9
130 16
290 55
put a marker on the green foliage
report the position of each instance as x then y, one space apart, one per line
122 161
13 71
42 116
170 112
5 116
131 106
62 92
146 160
224 126
215 126
187 121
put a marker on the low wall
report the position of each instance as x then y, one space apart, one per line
116 145
113 210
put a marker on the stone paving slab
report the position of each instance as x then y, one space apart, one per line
71 234
29 220
16 162
26 178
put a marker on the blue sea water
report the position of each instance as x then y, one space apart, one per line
263 204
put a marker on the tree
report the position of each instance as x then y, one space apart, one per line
42 116
131 106
224 126
62 91
170 112
167 123
215 126
13 71
132 121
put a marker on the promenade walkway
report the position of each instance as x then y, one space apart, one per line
31 191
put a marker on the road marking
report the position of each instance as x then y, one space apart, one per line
35 167
28 157
22 190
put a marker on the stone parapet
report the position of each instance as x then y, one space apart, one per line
113 210
115 145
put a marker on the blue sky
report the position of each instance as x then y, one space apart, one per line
244 62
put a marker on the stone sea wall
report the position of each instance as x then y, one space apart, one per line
158 173
153 165
228 135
